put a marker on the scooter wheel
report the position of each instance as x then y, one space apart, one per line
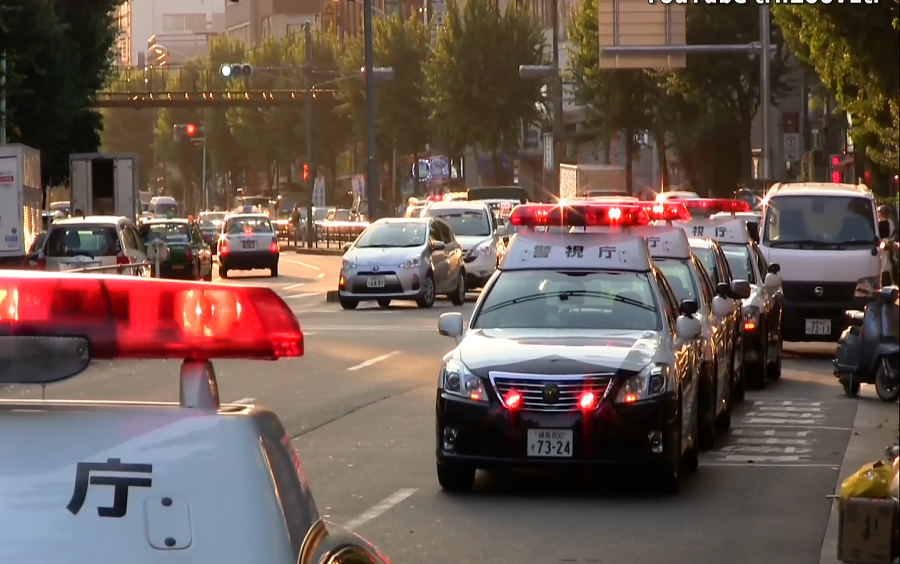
851 388
886 392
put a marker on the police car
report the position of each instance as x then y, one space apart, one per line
762 308
578 353
151 482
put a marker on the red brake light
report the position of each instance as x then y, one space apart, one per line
669 211
125 317
273 247
512 399
582 214
587 400
223 247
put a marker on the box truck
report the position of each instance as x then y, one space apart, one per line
105 184
20 202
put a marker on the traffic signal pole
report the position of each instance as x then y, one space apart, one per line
369 72
311 170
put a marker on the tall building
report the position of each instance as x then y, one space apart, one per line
123 41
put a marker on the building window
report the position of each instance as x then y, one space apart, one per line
184 22
265 28
240 33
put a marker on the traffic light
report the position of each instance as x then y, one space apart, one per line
235 70
187 131
836 176
305 171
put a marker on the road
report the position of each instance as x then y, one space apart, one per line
360 407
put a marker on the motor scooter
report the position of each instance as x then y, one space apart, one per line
868 351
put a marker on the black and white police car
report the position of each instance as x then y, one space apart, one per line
578 353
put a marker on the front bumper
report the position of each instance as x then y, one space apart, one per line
796 314
248 260
398 283
491 436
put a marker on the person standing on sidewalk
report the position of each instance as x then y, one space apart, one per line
295 219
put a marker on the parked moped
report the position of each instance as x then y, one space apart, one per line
868 351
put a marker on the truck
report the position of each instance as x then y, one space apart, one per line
21 198
105 184
591 180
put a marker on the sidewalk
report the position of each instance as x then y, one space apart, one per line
874 428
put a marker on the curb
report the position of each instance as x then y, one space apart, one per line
332 296
874 428
315 251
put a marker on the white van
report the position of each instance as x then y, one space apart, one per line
162 207
823 240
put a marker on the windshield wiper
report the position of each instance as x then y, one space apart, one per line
563 296
855 242
801 243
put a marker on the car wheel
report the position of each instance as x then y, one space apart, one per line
426 295
740 375
708 398
384 302
458 296
347 303
667 477
457 478
691 459
723 421
773 370
274 271
757 371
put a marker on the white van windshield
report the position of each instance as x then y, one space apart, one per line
819 222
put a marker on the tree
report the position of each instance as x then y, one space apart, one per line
127 130
226 153
476 94
719 97
59 55
855 52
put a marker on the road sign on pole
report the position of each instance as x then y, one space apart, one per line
548 152
791 147
637 23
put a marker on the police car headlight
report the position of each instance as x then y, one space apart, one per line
457 380
348 263
411 262
866 286
653 381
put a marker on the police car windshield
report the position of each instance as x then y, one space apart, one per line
738 257
465 223
542 299
678 273
387 235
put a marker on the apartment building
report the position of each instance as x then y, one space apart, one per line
123 40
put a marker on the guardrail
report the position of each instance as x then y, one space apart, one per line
329 235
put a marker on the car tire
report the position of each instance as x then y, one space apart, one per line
426 294
458 296
757 370
740 379
723 421
274 271
456 478
667 476
706 432
223 272
690 460
384 302
773 370
347 303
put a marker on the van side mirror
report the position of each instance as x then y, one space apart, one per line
451 325
884 229
740 289
688 307
775 268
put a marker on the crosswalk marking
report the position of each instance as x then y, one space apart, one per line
768 421
770 441
786 414
789 409
751 459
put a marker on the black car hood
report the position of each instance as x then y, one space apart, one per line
557 351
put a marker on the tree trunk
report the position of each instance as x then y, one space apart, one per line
495 161
629 161
416 186
662 158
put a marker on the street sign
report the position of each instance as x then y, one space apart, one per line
548 152
638 23
791 147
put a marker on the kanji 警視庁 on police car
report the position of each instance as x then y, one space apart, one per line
578 353
151 482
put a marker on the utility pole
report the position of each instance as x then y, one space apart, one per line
311 170
369 72
556 100
203 176
3 98
765 93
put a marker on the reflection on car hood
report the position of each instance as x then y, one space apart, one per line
392 256
557 351
468 242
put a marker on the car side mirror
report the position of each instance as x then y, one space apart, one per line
772 281
346 247
722 306
501 231
775 268
451 325
438 246
740 289
687 328
723 289
688 307
884 229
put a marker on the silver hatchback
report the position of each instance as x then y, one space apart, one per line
403 259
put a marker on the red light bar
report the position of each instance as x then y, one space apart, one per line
435 198
668 211
578 214
711 206
127 317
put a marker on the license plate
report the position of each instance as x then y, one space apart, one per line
818 327
248 244
177 267
550 443
375 282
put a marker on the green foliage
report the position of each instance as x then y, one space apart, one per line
855 50
476 94
226 154
59 55
131 131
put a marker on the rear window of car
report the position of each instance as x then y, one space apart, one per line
168 232
83 240
253 224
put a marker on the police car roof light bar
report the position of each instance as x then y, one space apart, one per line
127 317
579 214
710 206
666 211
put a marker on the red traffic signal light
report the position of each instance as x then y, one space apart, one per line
305 171
835 160
190 129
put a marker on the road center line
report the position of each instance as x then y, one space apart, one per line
372 361
292 286
380 509
302 264
304 295
320 275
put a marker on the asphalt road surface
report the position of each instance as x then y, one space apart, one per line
360 407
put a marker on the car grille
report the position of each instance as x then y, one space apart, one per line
806 292
532 389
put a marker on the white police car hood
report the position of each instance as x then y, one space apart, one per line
558 351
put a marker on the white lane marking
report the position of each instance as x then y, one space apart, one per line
292 286
750 432
770 422
372 361
380 509
764 465
245 401
308 333
805 415
320 275
770 441
304 295
759 449
302 264
357 328
755 459
805 424
786 409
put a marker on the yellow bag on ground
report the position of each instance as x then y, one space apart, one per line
872 481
